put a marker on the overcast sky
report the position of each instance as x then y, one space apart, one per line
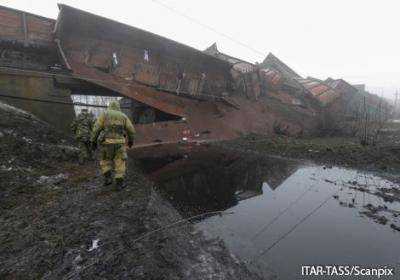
357 40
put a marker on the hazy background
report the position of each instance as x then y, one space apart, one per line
357 40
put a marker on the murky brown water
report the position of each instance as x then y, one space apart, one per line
286 214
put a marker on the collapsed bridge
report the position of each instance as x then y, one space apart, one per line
184 94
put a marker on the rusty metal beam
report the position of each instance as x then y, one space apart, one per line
62 54
160 100
25 28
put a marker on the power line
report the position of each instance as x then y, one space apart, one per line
55 101
263 229
263 252
194 20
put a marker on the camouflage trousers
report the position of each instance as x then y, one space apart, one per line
113 158
85 151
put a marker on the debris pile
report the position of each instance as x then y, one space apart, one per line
173 91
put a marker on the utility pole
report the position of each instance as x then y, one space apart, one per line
364 135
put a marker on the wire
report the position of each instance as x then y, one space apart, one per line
172 9
281 213
17 71
56 102
171 225
263 252
179 222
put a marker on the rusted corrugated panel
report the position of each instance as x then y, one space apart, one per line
246 76
25 28
138 64
309 84
241 64
271 61
319 89
328 96
283 97
11 25
26 41
244 67
162 73
143 57
160 100
332 83
141 65
164 132
343 87
40 29
272 77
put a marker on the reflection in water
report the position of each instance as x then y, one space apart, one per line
199 183
357 224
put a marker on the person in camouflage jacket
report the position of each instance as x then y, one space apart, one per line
110 130
82 128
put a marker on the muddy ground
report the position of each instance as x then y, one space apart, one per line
382 159
340 151
58 222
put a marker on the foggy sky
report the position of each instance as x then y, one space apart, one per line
357 40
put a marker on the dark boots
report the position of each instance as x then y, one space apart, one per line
119 183
107 178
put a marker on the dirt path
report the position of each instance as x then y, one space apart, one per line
58 222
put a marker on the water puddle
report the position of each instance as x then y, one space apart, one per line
286 213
